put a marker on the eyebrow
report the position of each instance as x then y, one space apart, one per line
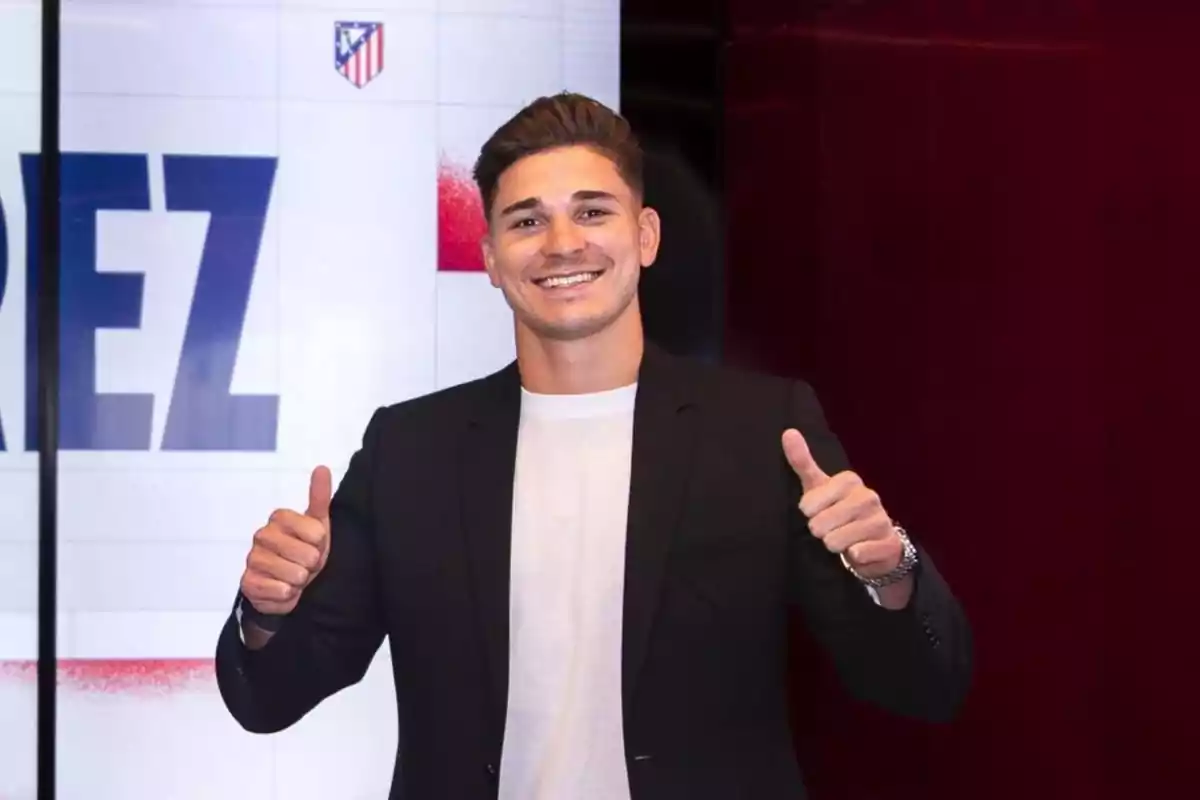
533 202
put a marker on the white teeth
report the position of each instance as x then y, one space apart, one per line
569 280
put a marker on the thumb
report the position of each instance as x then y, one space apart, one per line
320 493
800 457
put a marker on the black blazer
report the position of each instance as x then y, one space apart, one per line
717 555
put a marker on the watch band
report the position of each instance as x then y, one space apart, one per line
908 562
268 622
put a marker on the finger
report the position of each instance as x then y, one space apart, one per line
262 589
860 530
828 494
275 566
859 502
289 547
795 448
320 493
301 526
874 551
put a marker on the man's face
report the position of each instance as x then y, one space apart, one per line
567 239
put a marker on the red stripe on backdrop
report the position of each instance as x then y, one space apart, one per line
461 224
113 676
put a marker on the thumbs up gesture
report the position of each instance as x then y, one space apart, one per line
843 513
289 551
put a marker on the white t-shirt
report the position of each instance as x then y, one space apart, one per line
564 734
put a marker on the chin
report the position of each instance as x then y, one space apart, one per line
570 331
571 322
567 329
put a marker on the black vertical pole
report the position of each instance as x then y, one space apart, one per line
47 399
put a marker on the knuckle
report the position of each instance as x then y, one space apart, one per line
254 559
312 558
280 519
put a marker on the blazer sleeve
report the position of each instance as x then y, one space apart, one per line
915 662
330 638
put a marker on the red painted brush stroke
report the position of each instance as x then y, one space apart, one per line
460 221
115 675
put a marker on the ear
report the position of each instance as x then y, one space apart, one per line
649 235
489 258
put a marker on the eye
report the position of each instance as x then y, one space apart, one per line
525 222
595 213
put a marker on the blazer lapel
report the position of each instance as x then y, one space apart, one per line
487 464
663 437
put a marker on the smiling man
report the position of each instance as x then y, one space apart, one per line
584 563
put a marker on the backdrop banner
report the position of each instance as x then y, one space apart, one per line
269 230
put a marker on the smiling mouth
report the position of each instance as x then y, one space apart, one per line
563 281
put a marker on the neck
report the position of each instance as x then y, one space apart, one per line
608 359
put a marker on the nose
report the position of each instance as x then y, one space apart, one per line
563 238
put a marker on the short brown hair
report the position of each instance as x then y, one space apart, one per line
561 120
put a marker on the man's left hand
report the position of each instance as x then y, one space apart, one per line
844 513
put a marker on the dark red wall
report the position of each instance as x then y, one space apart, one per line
972 224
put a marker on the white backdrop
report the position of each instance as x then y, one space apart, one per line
257 252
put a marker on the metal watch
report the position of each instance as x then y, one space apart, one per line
908 562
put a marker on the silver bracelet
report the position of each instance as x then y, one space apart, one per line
908 562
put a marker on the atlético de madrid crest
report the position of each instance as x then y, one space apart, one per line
358 51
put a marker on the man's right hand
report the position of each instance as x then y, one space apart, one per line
289 551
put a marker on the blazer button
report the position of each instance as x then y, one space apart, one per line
491 771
